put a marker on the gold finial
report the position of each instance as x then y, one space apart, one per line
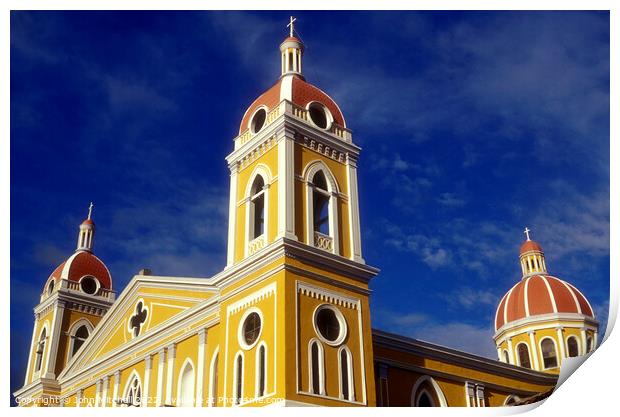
90 210
527 233
291 25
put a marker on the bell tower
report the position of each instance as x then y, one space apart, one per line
294 248
74 299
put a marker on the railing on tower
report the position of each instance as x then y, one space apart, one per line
74 287
286 107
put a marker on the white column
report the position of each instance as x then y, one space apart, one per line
354 216
534 350
53 340
584 341
33 343
147 381
286 60
97 393
104 395
169 374
594 340
160 377
286 190
562 353
232 216
200 374
511 353
117 384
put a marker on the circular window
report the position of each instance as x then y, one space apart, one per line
319 115
258 120
330 324
250 329
89 284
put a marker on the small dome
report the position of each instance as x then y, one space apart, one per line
80 264
538 295
294 89
530 245
88 222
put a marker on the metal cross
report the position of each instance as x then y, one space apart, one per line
291 25
527 233
90 209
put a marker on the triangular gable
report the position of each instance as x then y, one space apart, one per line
161 299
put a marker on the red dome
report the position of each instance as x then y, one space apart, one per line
540 294
530 245
88 221
83 263
296 90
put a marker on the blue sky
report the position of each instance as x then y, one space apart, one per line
473 125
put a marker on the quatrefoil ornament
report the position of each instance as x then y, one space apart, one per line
137 320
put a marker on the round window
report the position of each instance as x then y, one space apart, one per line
89 284
319 115
330 324
258 120
250 329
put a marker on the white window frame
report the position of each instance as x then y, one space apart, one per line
438 392
128 386
265 173
212 381
332 192
180 390
238 396
529 354
350 379
36 372
542 353
579 349
73 329
321 367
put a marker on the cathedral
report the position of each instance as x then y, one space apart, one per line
287 321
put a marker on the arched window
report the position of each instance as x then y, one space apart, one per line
238 388
589 344
133 392
213 382
511 400
524 356
261 368
550 357
78 338
322 208
50 287
427 393
506 357
317 383
257 208
346 374
40 349
424 400
573 347
320 204
185 390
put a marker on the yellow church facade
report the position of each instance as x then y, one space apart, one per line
287 321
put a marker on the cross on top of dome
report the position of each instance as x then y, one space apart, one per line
291 26
527 233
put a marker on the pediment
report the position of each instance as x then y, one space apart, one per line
147 303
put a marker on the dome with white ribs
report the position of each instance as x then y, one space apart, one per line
538 295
